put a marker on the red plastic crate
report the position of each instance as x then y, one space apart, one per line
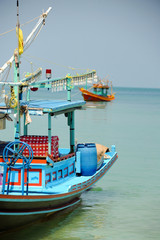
39 144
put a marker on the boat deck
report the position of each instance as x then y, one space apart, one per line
75 183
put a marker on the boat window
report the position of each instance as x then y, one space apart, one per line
54 176
66 172
59 174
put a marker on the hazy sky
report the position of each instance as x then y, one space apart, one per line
119 38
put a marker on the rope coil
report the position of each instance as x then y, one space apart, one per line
13 101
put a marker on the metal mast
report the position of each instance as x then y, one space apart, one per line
16 79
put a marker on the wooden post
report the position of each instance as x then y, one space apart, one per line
16 91
70 116
28 94
49 133
68 77
25 126
16 79
72 133
68 94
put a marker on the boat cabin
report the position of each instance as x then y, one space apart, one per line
100 89
51 165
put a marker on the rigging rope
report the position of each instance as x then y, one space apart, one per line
36 35
45 60
31 36
1 34
5 76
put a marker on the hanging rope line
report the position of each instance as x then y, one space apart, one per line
13 29
33 65
36 35
47 61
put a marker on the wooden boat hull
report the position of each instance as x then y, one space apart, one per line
14 218
89 96
18 210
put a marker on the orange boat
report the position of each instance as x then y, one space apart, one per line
100 93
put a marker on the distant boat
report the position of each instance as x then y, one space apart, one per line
37 178
100 93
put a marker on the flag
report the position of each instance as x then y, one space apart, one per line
20 40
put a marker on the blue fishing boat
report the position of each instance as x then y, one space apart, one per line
37 178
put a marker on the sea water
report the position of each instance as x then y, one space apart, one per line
125 203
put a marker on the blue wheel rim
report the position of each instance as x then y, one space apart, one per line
17 153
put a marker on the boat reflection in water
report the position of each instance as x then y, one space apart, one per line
100 105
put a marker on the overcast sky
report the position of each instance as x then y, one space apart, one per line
119 38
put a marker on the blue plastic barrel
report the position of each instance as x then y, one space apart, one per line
88 156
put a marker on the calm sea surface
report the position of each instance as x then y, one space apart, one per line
125 203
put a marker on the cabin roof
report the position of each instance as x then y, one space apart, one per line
39 107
